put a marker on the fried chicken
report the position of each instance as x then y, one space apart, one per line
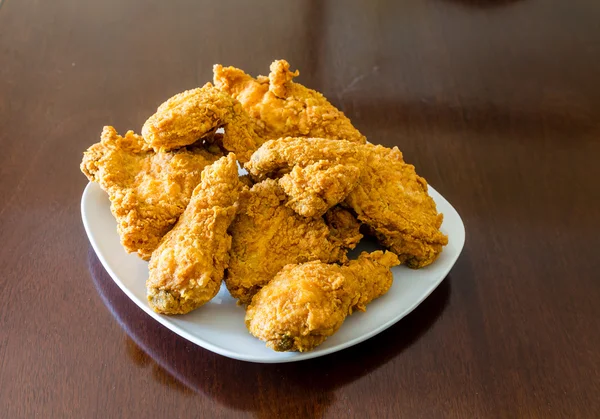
315 177
267 235
305 304
194 114
344 227
285 108
390 198
186 270
148 191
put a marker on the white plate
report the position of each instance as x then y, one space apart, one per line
219 325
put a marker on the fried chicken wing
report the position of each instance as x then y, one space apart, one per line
268 235
186 270
316 177
194 114
284 107
305 304
390 198
148 191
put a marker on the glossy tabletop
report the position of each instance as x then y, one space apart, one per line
496 103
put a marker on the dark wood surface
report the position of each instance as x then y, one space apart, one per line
497 103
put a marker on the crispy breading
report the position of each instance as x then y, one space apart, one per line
194 114
285 108
305 304
315 177
389 197
148 191
186 270
267 235
344 226
392 200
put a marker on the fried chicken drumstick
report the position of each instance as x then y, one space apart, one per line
389 197
285 108
306 303
186 270
148 191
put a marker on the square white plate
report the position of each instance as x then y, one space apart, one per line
219 325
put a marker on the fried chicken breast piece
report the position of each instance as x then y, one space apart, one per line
194 114
284 107
390 198
148 191
393 201
306 303
186 270
315 177
267 235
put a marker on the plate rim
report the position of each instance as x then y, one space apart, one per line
275 359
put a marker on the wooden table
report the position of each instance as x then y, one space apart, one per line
497 103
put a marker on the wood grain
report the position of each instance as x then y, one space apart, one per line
496 102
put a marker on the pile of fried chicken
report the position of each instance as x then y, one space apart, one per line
278 236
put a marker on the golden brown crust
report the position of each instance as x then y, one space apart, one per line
284 107
306 303
393 201
389 197
194 114
315 173
267 235
148 191
186 270
344 226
